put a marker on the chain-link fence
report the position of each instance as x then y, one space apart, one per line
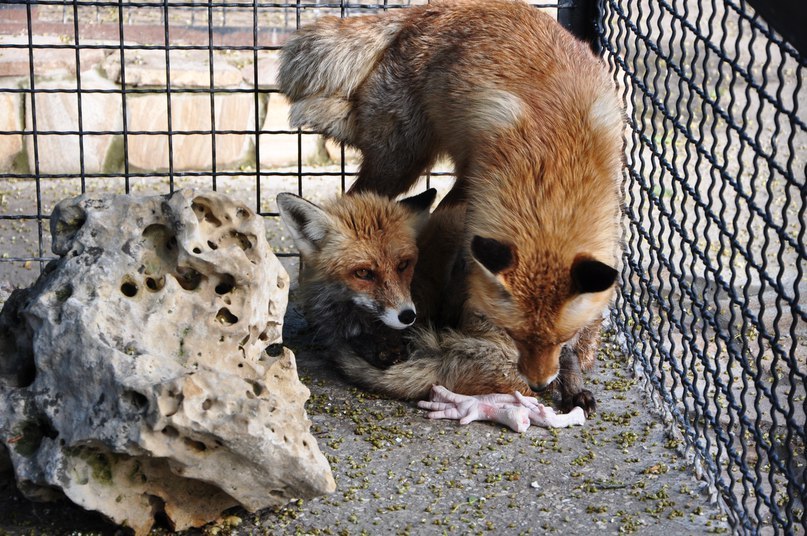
713 287
145 96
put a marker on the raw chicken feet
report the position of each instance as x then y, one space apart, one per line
515 411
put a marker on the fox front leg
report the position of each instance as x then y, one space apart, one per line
570 383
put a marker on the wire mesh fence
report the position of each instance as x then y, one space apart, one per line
711 303
146 96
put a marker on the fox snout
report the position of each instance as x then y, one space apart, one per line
399 318
538 366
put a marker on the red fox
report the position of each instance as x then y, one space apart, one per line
359 253
534 126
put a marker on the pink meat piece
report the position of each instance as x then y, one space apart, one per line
514 410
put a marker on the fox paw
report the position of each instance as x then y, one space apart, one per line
584 399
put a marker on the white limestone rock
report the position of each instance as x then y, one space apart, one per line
59 112
144 371
279 150
189 113
10 120
189 68
49 60
268 65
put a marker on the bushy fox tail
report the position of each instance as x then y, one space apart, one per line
324 63
462 363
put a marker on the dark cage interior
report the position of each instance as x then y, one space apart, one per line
147 96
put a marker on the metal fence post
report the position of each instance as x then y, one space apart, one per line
581 18
788 17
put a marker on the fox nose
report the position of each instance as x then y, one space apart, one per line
407 316
538 388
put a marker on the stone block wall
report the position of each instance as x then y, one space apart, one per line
148 82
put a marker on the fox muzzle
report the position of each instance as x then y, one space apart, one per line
399 318
538 368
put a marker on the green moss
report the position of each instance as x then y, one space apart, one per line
584 459
629 523
27 437
114 160
620 385
185 332
101 468
21 164
63 293
135 473
100 463
626 439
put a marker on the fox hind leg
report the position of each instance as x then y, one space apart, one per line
391 173
394 136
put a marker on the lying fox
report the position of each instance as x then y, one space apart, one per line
358 254
533 125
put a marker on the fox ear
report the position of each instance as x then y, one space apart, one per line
590 275
420 205
420 202
307 223
492 254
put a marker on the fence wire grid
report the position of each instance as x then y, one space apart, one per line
145 96
711 303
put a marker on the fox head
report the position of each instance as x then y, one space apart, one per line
364 243
542 303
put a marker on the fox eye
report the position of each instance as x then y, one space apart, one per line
364 273
403 265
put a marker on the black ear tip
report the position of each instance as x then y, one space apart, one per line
478 242
591 275
292 207
492 254
422 201
428 196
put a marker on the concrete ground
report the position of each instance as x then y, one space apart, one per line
400 473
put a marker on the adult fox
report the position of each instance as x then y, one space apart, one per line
534 126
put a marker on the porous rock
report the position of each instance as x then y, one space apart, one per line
144 372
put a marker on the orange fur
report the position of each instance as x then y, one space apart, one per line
371 233
358 251
533 124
